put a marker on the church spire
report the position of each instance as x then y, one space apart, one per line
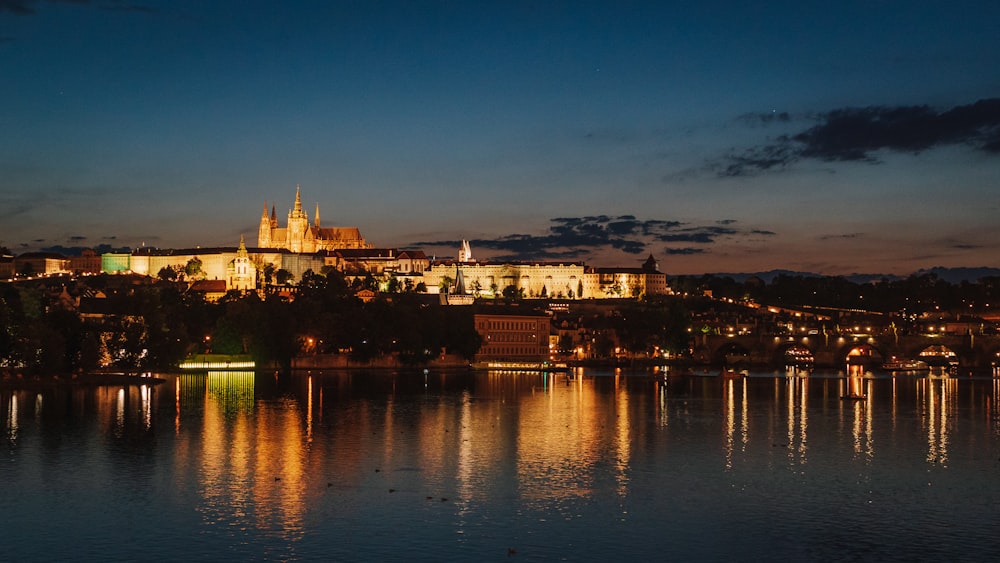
298 200
317 215
263 216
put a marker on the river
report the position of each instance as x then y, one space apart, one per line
588 465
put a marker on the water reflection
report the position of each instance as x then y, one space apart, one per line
335 460
938 402
11 420
735 390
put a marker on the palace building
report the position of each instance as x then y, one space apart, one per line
300 237
545 280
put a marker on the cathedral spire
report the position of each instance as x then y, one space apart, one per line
263 216
243 246
317 215
298 200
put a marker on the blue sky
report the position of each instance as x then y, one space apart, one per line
718 136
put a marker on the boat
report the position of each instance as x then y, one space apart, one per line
903 364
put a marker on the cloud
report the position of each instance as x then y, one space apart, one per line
764 118
13 209
843 236
683 251
78 250
28 7
18 7
857 134
577 238
702 235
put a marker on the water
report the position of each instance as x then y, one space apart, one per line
458 467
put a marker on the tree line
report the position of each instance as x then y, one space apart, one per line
55 326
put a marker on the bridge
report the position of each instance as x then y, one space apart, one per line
832 350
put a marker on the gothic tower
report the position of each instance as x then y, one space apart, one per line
264 232
298 224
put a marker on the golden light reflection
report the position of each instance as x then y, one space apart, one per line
592 427
938 397
253 464
856 403
309 407
664 413
729 420
798 419
623 441
12 419
146 405
120 413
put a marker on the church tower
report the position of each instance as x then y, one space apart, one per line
298 224
241 273
264 232
465 253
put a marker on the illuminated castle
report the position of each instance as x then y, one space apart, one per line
299 236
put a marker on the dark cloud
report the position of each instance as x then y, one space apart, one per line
579 237
843 236
683 251
857 134
126 7
765 118
700 235
78 250
29 7
13 209
77 238
18 7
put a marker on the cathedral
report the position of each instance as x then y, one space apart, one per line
301 237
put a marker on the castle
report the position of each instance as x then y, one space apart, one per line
301 237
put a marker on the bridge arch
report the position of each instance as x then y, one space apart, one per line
792 354
732 354
859 353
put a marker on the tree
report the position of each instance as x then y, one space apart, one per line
267 273
193 269
167 273
283 276
512 292
445 285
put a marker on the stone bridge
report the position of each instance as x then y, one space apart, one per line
832 350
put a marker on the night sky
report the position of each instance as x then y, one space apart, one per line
833 137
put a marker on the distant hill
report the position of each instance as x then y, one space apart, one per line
950 275
957 275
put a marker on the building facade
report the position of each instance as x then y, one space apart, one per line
510 339
299 236
543 280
